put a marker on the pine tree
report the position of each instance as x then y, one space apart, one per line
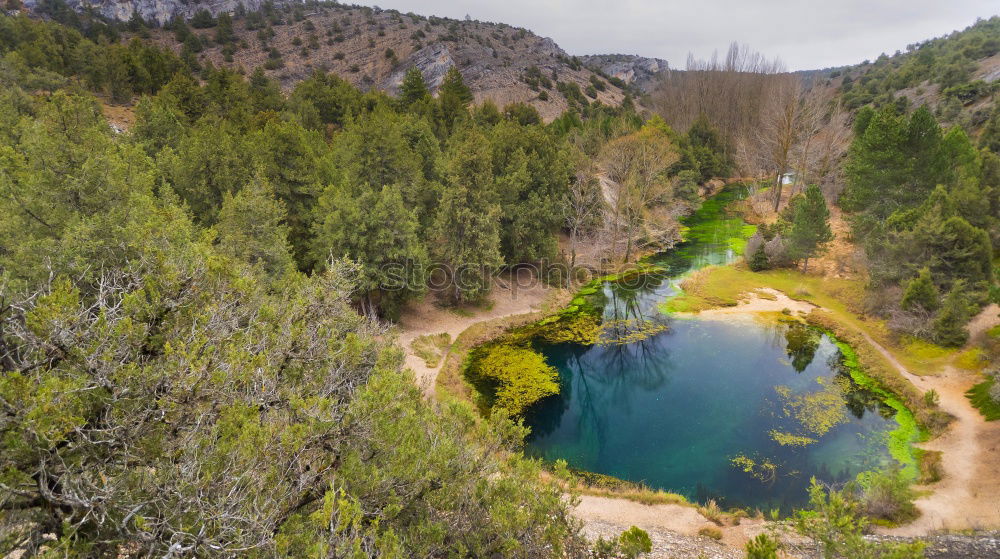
949 325
876 165
454 86
414 88
224 31
467 227
454 98
921 292
376 229
810 228
989 139
251 228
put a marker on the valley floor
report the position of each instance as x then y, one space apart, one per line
964 500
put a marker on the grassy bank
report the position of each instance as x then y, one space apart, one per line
720 286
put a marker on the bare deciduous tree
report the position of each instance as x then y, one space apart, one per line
636 170
582 206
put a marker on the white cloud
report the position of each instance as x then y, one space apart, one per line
805 34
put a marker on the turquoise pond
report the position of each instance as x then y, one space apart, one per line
742 410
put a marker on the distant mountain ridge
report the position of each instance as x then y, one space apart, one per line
156 11
373 48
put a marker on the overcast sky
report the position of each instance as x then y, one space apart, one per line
805 34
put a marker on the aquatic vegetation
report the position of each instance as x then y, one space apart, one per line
580 328
789 439
817 412
627 331
762 469
520 376
907 432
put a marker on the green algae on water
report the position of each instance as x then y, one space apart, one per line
907 431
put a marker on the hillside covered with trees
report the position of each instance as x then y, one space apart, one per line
367 47
186 371
197 339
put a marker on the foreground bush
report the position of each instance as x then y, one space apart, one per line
179 408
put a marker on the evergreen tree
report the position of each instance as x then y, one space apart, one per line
454 98
921 292
758 260
414 88
453 86
224 33
862 119
989 139
810 228
467 228
377 230
487 114
707 149
209 162
532 174
251 228
949 325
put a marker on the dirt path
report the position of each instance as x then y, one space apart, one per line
425 317
967 495
674 526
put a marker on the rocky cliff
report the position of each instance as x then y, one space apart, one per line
631 69
374 48
155 11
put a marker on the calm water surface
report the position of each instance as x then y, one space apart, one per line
703 408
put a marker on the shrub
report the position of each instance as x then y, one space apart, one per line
634 542
921 292
762 547
710 532
949 325
758 261
985 397
835 526
886 495
202 19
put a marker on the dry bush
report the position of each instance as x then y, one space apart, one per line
711 532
